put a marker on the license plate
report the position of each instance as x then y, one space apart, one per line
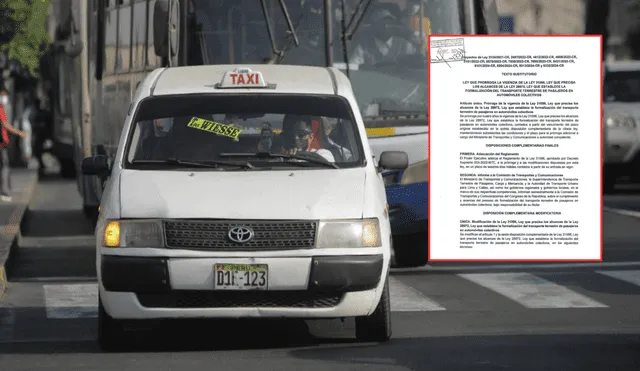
240 276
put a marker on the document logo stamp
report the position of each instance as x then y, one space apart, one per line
447 50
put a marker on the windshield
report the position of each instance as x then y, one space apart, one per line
622 86
387 53
240 131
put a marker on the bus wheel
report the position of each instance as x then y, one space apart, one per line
67 168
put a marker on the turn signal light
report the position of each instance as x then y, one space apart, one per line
370 233
112 234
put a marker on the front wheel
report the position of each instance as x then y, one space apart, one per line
377 326
110 331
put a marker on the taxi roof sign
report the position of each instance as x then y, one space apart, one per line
243 78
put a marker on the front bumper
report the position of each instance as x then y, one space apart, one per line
299 287
408 208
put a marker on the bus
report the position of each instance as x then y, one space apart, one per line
380 44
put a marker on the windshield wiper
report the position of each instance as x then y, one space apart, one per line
204 164
267 19
282 156
348 30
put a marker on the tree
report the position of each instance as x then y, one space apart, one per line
24 38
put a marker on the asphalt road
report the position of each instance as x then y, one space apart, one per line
483 317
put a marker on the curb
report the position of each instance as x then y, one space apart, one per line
10 233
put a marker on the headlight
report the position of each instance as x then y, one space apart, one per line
416 173
133 233
349 233
621 121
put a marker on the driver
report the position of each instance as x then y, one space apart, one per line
300 137
155 144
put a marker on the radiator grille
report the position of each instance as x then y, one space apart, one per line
212 234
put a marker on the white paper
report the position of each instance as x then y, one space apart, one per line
515 148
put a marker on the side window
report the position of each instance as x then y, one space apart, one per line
110 37
139 29
124 36
153 61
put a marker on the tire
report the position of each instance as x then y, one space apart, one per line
608 184
67 169
411 251
110 331
377 326
91 213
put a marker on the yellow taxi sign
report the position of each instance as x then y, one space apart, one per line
242 78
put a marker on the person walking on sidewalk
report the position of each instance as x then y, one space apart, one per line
4 142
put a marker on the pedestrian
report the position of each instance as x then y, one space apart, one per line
4 151
40 132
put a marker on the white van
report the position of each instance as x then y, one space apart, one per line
244 191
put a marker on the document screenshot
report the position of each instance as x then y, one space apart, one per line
515 148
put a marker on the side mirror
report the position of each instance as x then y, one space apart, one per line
161 28
166 14
96 165
393 160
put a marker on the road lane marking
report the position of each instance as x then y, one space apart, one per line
532 291
405 298
629 276
71 301
631 213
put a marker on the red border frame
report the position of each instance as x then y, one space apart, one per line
429 156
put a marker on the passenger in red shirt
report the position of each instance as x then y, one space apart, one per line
6 128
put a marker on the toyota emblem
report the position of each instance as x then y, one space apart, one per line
240 234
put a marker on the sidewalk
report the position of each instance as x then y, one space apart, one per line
23 184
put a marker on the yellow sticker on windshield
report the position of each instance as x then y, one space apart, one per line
214 127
